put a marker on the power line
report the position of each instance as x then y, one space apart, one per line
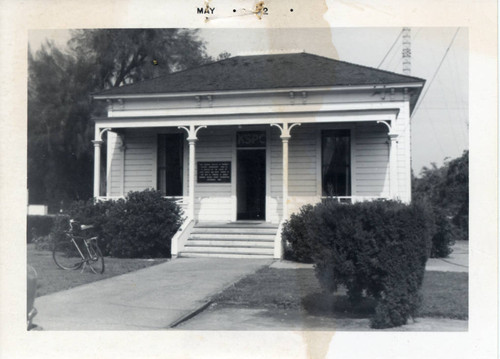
395 41
435 73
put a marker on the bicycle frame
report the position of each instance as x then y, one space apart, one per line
87 252
85 258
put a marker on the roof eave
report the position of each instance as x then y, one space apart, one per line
259 91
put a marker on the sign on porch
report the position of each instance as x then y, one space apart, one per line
251 139
214 172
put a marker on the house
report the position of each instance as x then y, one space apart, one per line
244 142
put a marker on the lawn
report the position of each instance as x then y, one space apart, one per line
445 294
52 279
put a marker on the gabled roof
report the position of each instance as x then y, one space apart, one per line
259 72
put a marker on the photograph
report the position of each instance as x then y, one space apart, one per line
248 179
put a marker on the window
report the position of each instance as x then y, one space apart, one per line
170 164
336 162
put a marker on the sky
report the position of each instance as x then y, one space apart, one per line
439 123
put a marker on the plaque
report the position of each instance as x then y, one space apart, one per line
214 172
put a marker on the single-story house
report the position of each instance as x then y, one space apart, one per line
244 142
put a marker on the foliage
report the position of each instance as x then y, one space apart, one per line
376 249
38 225
298 246
443 234
143 225
60 152
139 226
447 188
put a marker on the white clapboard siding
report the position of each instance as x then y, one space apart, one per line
404 154
213 200
371 159
139 161
115 164
302 181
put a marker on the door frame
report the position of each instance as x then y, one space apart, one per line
234 175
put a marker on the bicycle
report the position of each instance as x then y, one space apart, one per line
77 251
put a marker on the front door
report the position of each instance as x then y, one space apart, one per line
251 176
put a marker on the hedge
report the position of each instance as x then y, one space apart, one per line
139 226
298 246
38 225
377 249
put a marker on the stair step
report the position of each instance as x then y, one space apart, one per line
239 224
270 231
248 239
234 236
229 243
224 255
229 249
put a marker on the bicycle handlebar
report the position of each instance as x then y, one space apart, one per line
83 227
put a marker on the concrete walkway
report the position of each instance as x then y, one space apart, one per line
457 261
148 299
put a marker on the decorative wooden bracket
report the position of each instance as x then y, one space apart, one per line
285 130
192 131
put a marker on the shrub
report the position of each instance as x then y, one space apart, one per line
143 225
443 234
95 213
139 226
298 246
37 226
377 249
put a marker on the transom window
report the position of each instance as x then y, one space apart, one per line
336 162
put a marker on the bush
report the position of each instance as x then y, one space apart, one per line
443 234
95 213
143 225
376 249
298 246
38 226
139 226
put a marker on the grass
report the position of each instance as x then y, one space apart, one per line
445 295
52 279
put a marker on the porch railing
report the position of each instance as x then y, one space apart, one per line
180 200
352 199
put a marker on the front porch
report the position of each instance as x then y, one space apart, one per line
136 160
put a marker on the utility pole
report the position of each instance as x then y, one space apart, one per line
406 52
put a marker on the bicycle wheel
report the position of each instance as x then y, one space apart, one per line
95 260
66 255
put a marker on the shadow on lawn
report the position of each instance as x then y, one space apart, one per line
337 306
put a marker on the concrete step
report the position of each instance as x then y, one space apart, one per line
249 239
229 249
230 243
224 255
238 230
239 224
233 236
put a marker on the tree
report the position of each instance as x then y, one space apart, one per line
447 188
60 153
125 56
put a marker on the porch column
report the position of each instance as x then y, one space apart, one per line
97 159
393 160
285 137
97 167
192 138
393 165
